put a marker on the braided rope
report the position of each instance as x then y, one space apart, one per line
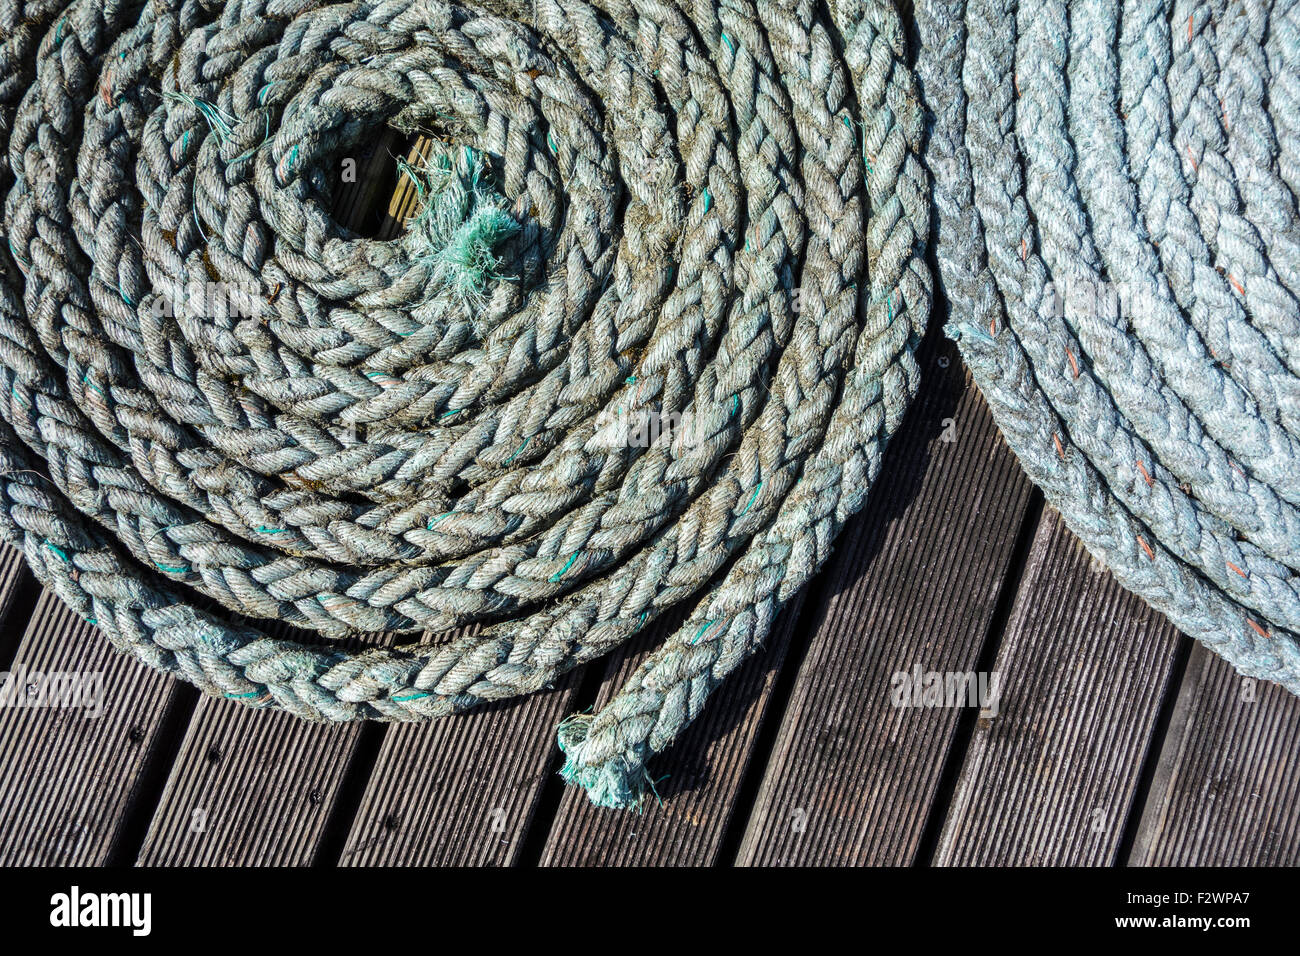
1115 187
717 217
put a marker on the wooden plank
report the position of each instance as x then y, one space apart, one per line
1083 669
249 788
916 581
67 776
1226 791
406 198
462 790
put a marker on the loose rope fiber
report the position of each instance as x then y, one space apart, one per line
1115 187
707 213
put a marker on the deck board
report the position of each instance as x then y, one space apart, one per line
1084 667
68 779
461 790
1226 791
249 788
916 579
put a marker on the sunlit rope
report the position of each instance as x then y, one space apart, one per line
1114 187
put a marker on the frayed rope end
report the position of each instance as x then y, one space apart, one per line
959 330
461 222
618 782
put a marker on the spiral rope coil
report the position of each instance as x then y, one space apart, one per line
717 216
1115 188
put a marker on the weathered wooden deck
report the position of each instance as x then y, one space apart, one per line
1117 740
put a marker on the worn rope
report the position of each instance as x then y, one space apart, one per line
1115 187
707 215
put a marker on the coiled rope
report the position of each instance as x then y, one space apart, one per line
716 216
1115 187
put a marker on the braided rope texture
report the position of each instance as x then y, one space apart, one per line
1116 218
711 213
